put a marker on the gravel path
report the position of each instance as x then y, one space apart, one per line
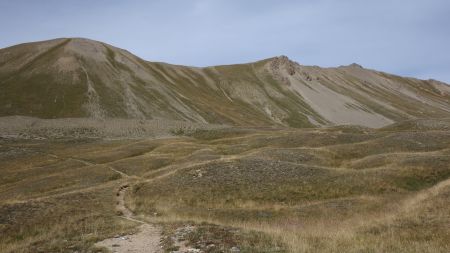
147 240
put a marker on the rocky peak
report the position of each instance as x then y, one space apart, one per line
355 65
284 63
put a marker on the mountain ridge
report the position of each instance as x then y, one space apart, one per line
78 77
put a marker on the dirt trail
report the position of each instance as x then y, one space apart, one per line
87 163
147 240
149 236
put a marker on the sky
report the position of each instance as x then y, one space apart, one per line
405 37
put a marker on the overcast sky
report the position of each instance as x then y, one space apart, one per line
406 37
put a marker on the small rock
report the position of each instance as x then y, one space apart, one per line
235 249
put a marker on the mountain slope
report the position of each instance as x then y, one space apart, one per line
84 78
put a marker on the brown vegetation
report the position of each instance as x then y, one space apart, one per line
340 189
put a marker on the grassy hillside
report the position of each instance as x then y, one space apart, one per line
336 189
83 78
269 156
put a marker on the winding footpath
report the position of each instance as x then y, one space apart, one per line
147 240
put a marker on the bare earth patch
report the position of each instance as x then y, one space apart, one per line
146 240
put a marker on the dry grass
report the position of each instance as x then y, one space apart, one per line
21 127
338 189
313 190
66 223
